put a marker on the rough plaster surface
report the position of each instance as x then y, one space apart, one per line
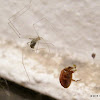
72 26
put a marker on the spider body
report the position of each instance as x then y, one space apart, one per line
34 41
32 45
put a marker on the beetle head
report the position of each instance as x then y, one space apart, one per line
68 68
73 68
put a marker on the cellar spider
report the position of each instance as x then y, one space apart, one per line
32 45
34 40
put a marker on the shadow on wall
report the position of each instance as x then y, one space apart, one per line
13 91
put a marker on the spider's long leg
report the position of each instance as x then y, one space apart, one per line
50 23
19 13
3 86
39 21
38 49
35 29
24 66
37 46
7 86
41 37
47 45
31 38
22 11
28 43
14 29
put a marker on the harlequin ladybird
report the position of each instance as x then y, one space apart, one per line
66 76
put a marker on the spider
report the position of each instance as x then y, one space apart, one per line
34 40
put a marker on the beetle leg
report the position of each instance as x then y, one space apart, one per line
75 80
74 70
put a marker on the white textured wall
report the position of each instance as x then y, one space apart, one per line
72 26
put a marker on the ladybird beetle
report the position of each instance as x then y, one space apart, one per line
66 76
93 55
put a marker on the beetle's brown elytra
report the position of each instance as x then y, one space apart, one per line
66 76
